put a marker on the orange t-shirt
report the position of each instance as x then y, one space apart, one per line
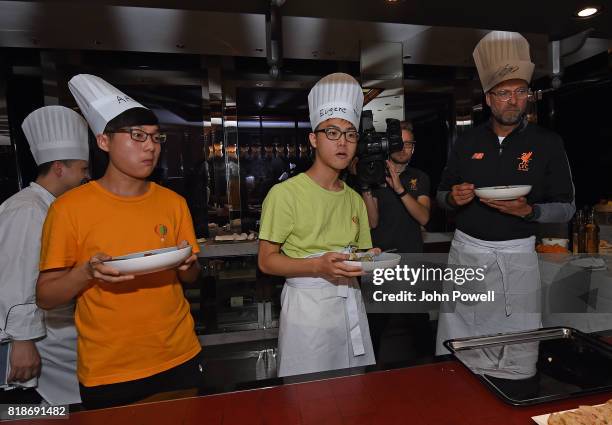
133 329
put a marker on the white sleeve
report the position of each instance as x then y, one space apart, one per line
20 231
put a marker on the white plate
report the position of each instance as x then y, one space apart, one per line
149 261
386 260
543 419
502 193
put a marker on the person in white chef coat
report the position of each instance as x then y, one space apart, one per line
307 222
39 345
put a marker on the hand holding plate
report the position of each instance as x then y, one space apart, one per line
189 261
331 266
96 269
375 251
517 207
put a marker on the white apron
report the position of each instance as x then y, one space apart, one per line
323 326
512 273
58 383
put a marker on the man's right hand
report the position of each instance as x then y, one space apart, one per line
96 269
331 267
461 194
24 361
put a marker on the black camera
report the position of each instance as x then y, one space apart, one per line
375 148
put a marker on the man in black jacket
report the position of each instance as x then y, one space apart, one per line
499 235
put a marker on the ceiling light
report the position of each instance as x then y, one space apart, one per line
587 12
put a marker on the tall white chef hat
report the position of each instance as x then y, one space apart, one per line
99 101
502 56
335 96
56 133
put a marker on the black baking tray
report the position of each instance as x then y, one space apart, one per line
568 363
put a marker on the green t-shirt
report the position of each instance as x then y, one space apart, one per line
307 219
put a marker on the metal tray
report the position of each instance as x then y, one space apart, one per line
556 363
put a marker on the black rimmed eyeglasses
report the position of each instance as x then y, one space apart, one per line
506 95
141 136
333 133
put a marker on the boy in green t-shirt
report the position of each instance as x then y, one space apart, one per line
307 223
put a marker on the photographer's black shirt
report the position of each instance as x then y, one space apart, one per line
530 155
396 228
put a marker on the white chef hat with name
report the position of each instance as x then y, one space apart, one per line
56 133
502 56
335 96
99 101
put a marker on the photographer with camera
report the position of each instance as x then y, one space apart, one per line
396 212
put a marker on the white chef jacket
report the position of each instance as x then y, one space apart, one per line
21 221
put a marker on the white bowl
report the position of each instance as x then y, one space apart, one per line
502 193
149 261
386 260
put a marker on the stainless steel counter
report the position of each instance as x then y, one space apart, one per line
228 249
249 248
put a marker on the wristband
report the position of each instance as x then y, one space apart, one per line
401 194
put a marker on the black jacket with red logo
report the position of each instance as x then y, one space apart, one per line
529 155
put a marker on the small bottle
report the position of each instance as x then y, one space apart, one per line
577 223
591 234
582 231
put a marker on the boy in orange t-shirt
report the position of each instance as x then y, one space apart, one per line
135 333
